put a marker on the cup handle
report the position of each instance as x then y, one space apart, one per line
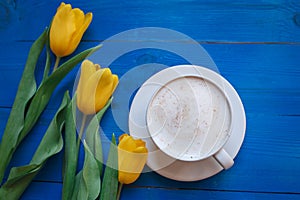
224 159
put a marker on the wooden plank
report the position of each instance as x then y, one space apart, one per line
163 193
268 160
43 190
247 21
271 79
12 67
50 190
256 47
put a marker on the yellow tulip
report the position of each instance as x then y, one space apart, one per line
67 29
132 157
95 87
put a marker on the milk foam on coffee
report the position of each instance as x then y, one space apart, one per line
189 118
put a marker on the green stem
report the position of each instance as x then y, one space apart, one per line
81 130
119 191
56 63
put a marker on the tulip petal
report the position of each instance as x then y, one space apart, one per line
79 32
104 89
67 28
95 87
61 6
141 150
87 20
132 156
140 143
96 91
79 17
87 93
127 144
87 70
122 136
115 82
132 162
97 67
61 28
127 178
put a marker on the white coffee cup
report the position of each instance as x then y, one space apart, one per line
189 119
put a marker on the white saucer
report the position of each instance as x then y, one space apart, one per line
161 162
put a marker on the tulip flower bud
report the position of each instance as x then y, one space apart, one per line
95 87
67 29
132 157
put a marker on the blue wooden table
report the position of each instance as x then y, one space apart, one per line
256 46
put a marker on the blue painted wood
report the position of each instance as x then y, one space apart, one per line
48 191
163 193
268 160
256 70
255 45
43 190
248 21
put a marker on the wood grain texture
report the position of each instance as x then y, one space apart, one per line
162 193
255 45
268 160
43 190
49 192
239 21
258 70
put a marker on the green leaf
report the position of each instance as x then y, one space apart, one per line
78 186
110 180
44 92
52 143
93 139
88 181
48 63
71 153
18 127
77 183
26 90
91 174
